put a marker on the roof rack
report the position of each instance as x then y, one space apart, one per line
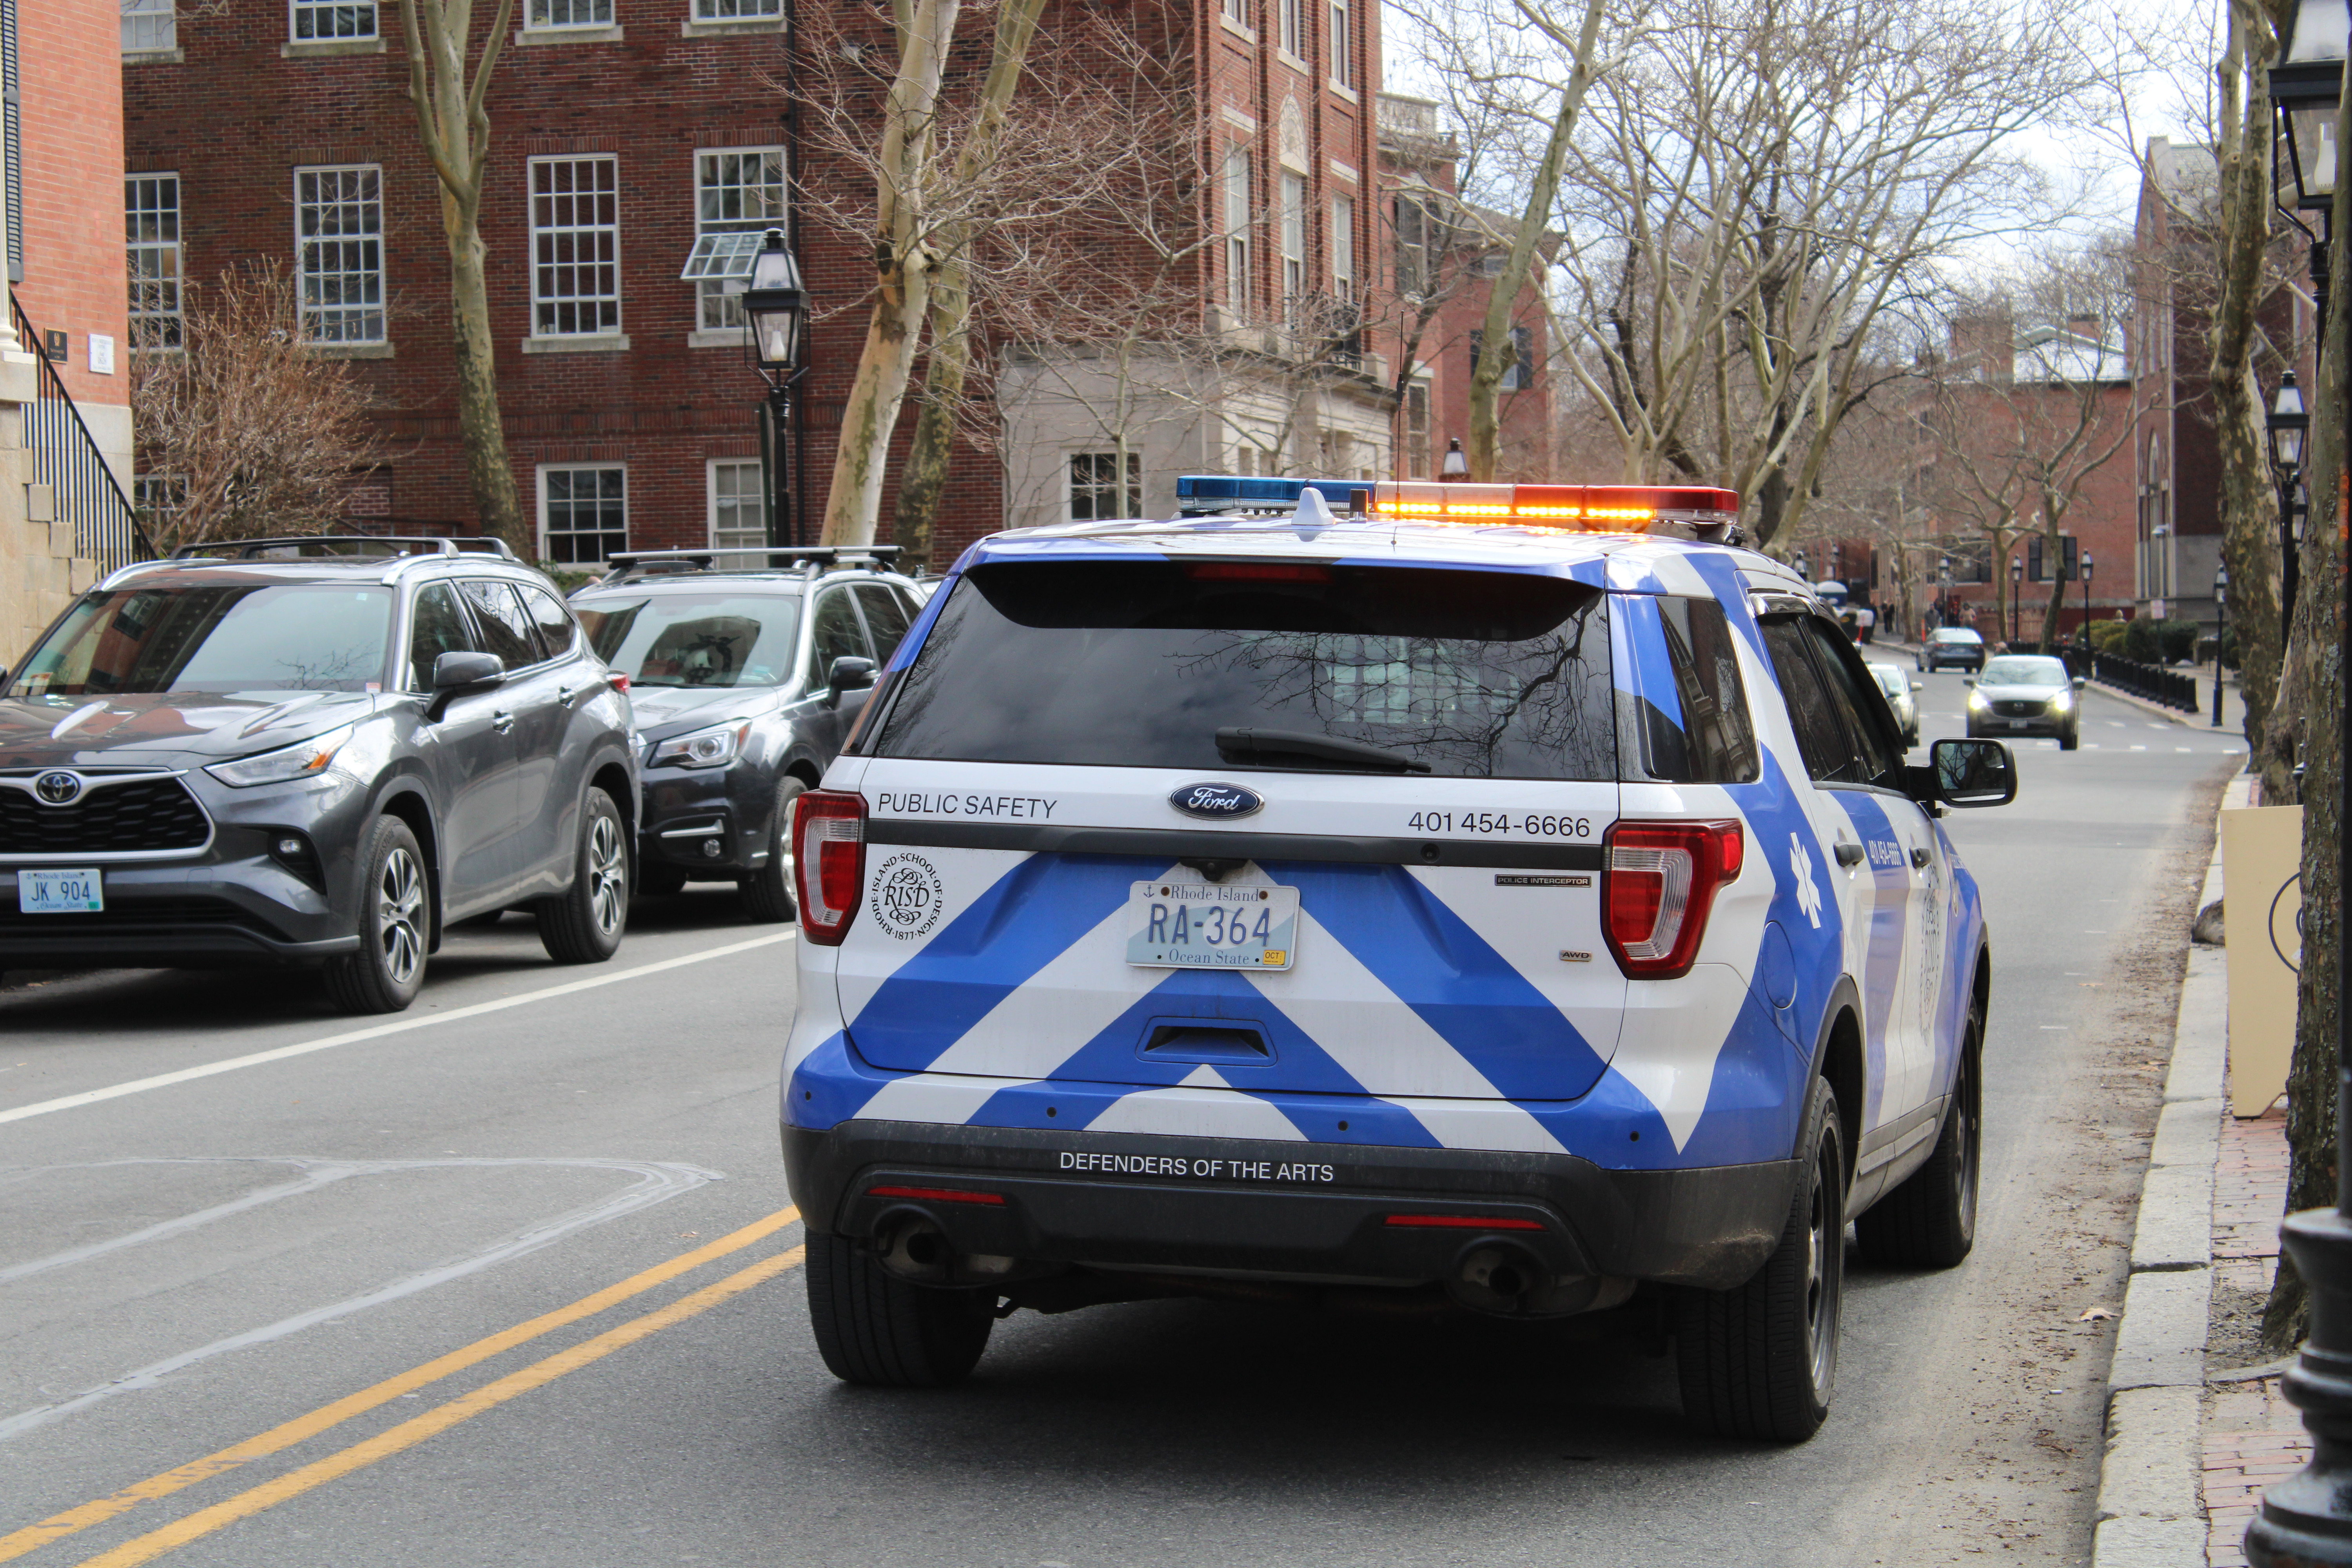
400 543
809 556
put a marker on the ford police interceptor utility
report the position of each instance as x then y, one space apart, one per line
1509 899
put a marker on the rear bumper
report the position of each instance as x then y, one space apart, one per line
1306 1210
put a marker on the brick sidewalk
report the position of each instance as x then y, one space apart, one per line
2253 1437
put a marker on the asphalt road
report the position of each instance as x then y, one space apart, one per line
512 1280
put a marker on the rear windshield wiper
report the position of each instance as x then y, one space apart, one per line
1239 743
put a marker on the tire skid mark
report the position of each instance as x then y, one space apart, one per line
657 1183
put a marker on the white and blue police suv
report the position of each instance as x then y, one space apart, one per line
1511 899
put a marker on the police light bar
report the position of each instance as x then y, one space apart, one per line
1202 495
1589 509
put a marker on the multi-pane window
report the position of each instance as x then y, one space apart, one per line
320 21
1238 11
149 25
151 229
1096 494
1339 44
339 253
575 247
570 12
1292 19
737 521
737 191
1343 247
1238 227
1294 236
1520 370
737 10
584 513
1416 430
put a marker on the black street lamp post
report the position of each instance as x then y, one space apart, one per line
2221 629
2307 1517
2086 598
2286 426
2016 587
776 308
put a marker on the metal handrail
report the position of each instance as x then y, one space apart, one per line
2165 688
66 458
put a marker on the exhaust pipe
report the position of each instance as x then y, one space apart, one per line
1502 1278
914 1248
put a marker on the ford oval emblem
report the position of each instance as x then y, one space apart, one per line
1216 800
58 788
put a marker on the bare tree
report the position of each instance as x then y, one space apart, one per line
450 116
246 430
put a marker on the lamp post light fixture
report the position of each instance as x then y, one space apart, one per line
775 306
2307 1517
2016 587
1455 465
2286 426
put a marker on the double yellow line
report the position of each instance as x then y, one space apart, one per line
415 1430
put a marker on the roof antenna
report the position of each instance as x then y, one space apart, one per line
1313 511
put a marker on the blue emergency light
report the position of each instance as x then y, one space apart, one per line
1202 495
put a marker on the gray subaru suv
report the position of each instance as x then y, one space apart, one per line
318 753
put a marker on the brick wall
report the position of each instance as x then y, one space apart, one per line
70 53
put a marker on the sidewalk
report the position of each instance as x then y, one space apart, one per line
2252 1437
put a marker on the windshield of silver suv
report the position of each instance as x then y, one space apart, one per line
2029 670
695 639
222 636
1279 664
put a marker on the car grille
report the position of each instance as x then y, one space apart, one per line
145 815
2021 710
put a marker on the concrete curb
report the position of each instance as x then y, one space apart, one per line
2151 1508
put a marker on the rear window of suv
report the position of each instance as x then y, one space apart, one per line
1461 674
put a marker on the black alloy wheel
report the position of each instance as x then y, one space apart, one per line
584 923
1930 1221
396 923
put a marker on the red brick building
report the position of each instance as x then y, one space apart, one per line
625 130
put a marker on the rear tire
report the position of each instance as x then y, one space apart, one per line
2068 741
395 926
768 891
1930 1221
584 924
1761 1361
877 1330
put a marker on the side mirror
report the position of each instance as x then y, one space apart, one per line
1968 680
1969 773
2080 683
848 674
1918 686
457 671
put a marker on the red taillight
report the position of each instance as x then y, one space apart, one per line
1461 1222
829 862
618 681
1256 572
1657 884
937 1194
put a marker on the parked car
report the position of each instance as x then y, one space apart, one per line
313 752
1952 647
744 677
1899 688
1430 917
2027 694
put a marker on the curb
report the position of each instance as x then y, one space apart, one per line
2151 1506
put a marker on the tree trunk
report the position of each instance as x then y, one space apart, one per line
481 425
2311 1080
1496 349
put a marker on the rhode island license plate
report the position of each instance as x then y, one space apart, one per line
59 892
1191 925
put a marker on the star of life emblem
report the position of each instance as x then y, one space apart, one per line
1809 893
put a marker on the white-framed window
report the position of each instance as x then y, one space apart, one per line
1339 45
1520 370
1238 227
149 25
1343 247
737 10
339 253
1416 430
583 512
737 520
737 191
1294 236
575 247
1293 27
150 231
1096 494
158 499
1238 11
571 14
322 21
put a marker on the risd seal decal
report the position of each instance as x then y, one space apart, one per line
909 896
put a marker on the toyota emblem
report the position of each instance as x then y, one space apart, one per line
58 788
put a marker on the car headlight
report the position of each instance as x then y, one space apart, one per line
711 748
2062 701
1976 699
304 759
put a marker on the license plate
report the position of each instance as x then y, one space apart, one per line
2021 723
59 892
1194 925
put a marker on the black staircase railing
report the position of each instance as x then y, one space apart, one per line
64 458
